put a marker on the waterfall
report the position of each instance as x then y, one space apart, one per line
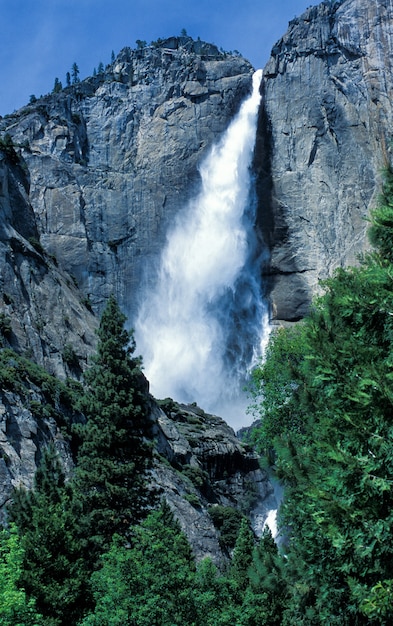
203 324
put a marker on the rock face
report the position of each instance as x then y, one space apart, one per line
324 137
207 466
112 159
90 179
40 302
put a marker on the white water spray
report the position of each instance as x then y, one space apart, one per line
201 327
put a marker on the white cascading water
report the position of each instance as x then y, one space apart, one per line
204 323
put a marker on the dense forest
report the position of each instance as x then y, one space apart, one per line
102 548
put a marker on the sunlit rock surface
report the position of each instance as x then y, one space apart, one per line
112 159
324 137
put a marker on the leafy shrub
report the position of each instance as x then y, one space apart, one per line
227 520
196 475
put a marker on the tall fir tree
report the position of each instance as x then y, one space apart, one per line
115 454
242 556
149 581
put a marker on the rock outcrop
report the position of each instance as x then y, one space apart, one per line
198 462
206 465
324 137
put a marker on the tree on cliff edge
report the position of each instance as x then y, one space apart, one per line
115 454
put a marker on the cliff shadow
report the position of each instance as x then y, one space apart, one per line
271 228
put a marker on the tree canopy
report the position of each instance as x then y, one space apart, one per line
326 399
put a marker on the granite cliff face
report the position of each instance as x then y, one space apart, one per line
44 308
109 162
112 159
90 179
324 136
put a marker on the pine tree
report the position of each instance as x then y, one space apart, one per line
242 556
57 87
149 581
264 600
336 461
53 568
110 479
75 74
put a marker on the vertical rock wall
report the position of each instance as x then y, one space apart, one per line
324 137
113 159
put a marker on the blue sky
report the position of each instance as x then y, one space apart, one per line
41 39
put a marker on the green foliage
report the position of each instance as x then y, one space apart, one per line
87 302
326 405
75 74
148 582
70 357
378 605
16 609
54 571
5 325
7 146
59 399
242 556
381 231
214 599
57 87
265 597
277 389
33 241
141 43
228 521
114 455
196 475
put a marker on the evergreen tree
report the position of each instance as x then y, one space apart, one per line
336 460
242 556
265 597
53 568
149 582
75 74
57 87
214 597
110 478
68 79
